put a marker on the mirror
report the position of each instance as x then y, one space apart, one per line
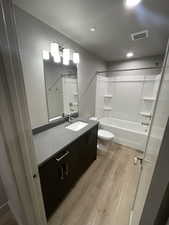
61 89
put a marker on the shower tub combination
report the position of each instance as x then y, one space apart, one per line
127 133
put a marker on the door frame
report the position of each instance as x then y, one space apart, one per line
16 142
158 194
144 211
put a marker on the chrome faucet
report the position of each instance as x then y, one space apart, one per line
68 117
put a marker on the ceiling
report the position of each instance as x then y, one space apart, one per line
113 22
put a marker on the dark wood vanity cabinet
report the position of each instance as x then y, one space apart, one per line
61 172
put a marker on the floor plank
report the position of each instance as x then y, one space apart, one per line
6 217
104 195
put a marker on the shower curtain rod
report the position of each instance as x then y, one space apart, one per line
123 70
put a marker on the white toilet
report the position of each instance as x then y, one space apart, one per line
105 138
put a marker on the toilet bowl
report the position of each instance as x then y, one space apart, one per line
105 135
105 138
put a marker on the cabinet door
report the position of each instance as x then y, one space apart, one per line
52 177
74 163
87 149
78 167
92 144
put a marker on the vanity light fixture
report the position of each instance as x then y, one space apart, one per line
129 54
131 3
66 56
54 48
60 54
45 55
76 58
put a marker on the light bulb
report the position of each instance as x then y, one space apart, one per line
66 56
46 55
129 54
76 58
55 52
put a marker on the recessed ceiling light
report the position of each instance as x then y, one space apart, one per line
92 29
132 3
129 54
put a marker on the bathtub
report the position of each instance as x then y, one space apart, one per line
127 133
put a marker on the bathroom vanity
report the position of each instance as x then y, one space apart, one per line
64 150
63 156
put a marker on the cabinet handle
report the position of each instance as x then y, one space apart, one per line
63 156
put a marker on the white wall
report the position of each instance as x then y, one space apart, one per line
35 36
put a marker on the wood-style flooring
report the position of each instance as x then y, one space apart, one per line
6 217
104 194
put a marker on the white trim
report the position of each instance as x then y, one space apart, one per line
131 217
16 143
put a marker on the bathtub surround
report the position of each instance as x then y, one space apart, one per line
34 36
126 97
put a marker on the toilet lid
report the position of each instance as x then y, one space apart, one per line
105 134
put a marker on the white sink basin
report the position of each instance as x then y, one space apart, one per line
76 126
